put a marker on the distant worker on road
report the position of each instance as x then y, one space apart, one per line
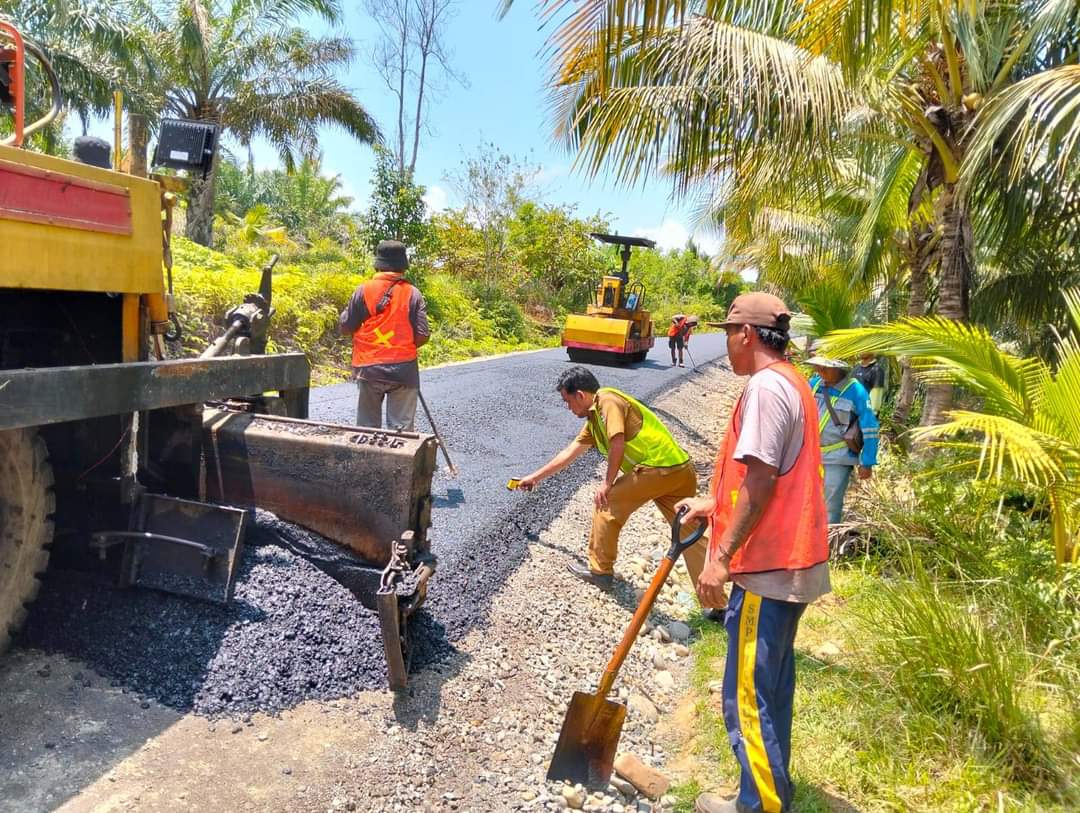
843 406
644 463
679 336
387 317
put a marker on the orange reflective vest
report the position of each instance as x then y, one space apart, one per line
792 533
677 328
385 337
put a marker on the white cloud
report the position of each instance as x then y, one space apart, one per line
708 243
673 235
436 199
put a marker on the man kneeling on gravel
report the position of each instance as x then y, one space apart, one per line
643 463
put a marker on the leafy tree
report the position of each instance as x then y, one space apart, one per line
397 210
555 257
492 185
245 65
762 96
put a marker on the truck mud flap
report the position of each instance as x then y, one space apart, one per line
179 546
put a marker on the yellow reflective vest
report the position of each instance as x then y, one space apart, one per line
653 446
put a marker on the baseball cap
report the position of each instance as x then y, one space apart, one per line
758 309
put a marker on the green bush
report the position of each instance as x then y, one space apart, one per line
944 654
309 295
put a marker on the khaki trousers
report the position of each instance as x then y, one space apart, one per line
664 487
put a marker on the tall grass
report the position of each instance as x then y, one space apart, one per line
975 623
939 651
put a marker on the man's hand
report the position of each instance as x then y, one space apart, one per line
600 500
865 472
710 586
528 483
699 508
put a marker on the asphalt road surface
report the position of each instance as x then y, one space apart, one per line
502 418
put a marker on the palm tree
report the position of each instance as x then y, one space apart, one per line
1027 428
306 201
768 93
245 65
93 47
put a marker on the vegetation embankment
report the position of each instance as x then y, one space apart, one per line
308 297
941 672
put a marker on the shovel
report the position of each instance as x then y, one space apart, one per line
442 443
585 753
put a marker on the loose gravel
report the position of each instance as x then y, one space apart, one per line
292 633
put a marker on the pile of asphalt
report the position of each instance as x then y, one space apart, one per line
291 634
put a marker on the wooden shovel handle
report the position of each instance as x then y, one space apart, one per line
678 545
638 621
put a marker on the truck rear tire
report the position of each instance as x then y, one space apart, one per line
26 528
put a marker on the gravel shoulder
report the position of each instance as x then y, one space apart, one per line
477 728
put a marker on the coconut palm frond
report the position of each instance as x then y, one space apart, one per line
290 111
694 92
1024 286
962 354
1008 448
1032 128
830 302
885 215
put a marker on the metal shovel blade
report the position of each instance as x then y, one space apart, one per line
585 753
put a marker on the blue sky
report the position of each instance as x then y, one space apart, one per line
505 103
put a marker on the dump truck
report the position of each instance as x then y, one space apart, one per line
615 327
116 458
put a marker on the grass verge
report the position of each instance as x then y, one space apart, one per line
883 719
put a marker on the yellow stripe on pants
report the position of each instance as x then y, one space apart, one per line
749 721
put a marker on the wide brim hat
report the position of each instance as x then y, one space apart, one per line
825 361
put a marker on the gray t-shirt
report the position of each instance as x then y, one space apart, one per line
771 429
406 373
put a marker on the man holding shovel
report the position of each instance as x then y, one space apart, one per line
643 463
768 536
387 318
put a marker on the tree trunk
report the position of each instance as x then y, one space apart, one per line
200 208
953 285
139 138
917 281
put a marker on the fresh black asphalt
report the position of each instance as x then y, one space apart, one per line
292 633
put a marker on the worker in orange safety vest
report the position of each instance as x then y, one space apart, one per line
387 317
679 336
768 536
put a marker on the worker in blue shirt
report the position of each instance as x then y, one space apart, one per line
850 408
